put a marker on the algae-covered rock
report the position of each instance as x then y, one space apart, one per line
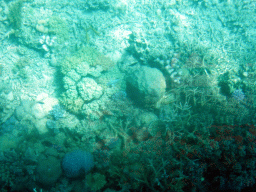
146 85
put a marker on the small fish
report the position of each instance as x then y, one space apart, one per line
59 148
113 82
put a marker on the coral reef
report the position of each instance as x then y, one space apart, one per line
80 89
188 160
157 95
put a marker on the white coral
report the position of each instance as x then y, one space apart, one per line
89 89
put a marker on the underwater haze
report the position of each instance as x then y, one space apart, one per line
127 95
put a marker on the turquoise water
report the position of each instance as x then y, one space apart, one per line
160 92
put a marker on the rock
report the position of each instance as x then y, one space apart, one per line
43 106
20 113
38 111
40 125
146 85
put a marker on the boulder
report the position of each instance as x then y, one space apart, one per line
145 85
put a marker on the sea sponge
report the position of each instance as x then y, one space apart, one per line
77 163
